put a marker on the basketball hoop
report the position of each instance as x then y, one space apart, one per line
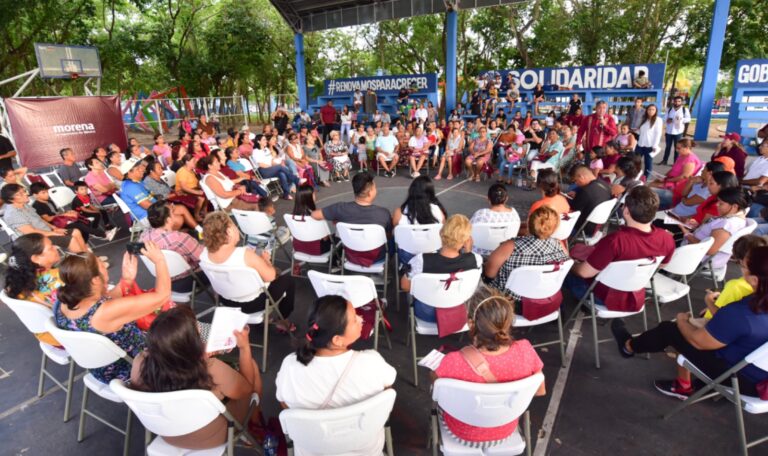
73 75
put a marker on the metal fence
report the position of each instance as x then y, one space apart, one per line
160 115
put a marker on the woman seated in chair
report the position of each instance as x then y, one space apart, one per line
550 193
115 161
696 191
731 208
153 181
245 179
498 212
454 256
735 331
187 183
550 155
479 153
228 195
421 207
221 240
687 165
175 360
536 248
491 318
269 165
295 154
325 373
31 274
85 304
303 206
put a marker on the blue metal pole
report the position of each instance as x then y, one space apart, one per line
711 68
301 76
450 61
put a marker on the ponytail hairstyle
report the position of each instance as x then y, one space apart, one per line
21 276
175 356
757 263
497 194
327 318
77 272
492 316
735 196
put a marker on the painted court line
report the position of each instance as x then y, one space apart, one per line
32 400
557 393
451 187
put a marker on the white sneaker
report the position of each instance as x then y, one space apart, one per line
110 234
415 175
3 257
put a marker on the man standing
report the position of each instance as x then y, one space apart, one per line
635 116
675 120
387 147
597 129
327 119
68 172
370 103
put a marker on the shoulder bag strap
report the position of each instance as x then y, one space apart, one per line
477 362
328 398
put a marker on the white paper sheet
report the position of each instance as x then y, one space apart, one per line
226 320
432 360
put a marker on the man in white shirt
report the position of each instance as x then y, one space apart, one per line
419 146
677 117
757 172
421 114
387 147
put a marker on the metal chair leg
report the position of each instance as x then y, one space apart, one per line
83 405
655 300
377 319
435 433
688 295
265 344
739 415
527 431
127 441
70 386
388 440
413 349
41 381
562 341
147 439
397 280
594 331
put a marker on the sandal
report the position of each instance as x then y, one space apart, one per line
285 327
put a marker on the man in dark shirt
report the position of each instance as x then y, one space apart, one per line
402 96
534 136
327 119
591 192
7 152
280 118
361 210
574 104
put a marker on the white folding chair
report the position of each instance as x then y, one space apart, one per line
359 290
178 413
483 405
439 291
255 224
92 351
209 195
343 430
751 404
61 197
177 266
246 164
10 232
415 239
566 226
599 216
272 184
34 316
683 263
364 238
718 274
488 236
139 225
169 177
627 276
307 229
540 282
243 284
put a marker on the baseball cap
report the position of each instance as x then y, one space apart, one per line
728 164
732 136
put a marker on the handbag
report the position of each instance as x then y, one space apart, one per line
146 321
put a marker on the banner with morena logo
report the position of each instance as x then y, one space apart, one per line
41 127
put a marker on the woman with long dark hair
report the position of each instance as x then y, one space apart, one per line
649 137
303 206
175 360
421 207
324 372
735 331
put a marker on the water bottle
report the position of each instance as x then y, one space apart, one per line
270 445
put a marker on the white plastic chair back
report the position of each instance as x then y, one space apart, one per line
246 164
89 350
121 204
31 314
169 177
361 238
342 430
538 282
252 223
306 229
10 232
170 414
602 212
759 357
357 289
629 276
727 246
687 258
209 195
485 404
488 236
566 226
416 239
239 284
431 288
177 265
61 196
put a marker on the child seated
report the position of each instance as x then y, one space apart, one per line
596 160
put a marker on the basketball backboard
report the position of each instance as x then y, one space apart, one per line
59 61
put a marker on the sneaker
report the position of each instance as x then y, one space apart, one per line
672 388
392 174
346 178
110 234
415 175
3 257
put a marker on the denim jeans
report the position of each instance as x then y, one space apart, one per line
665 198
578 287
671 143
283 174
648 160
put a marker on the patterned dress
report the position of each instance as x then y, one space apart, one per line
529 251
130 338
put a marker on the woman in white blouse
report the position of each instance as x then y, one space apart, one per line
649 136
270 165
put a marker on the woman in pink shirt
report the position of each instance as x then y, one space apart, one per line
162 150
101 185
491 315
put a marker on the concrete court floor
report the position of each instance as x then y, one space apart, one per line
601 411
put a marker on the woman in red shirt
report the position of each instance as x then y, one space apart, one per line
490 323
